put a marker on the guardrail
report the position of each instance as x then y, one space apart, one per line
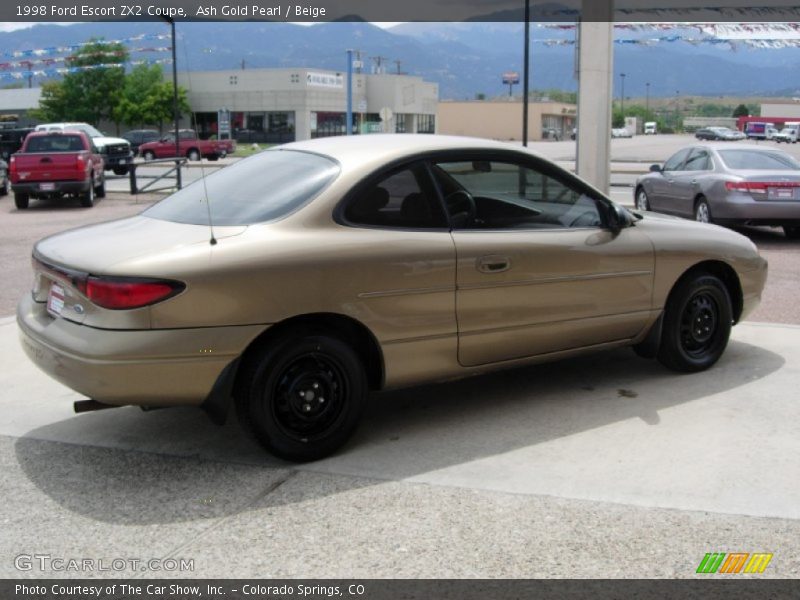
135 189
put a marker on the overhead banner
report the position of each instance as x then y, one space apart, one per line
408 10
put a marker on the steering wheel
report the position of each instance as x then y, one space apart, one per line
461 207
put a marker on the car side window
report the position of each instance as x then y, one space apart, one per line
698 161
404 199
676 160
503 195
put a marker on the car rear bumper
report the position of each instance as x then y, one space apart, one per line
741 208
153 367
34 188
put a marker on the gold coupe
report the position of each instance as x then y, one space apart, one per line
292 283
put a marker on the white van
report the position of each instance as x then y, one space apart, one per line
789 133
650 128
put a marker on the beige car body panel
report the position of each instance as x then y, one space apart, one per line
420 294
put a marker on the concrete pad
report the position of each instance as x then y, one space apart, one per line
610 427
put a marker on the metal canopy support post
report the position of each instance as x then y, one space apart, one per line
596 61
175 111
349 124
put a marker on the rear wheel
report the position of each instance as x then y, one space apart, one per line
120 170
4 188
792 232
642 203
302 396
697 324
193 154
702 212
21 200
87 198
149 155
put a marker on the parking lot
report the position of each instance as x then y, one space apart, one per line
607 466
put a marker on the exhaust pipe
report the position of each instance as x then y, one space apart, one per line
82 406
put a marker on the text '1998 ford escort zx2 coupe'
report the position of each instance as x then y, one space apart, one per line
295 281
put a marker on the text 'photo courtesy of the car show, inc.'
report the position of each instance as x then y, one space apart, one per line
357 299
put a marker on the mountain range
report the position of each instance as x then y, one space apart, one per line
465 58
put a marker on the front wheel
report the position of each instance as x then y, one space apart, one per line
4 188
642 202
21 201
697 324
302 396
120 170
149 155
702 212
193 155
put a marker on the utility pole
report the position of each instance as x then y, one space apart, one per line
378 60
647 99
622 98
398 63
175 112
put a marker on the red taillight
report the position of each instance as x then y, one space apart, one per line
759 187
12 168
120 294
80 163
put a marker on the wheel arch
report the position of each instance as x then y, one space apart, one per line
347 329
725 273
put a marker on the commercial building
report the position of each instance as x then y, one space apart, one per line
502 119
283 105
15 104
781 110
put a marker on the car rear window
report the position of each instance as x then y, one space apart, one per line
759 161
55 143
261 188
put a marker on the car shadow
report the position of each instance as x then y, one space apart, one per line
126 466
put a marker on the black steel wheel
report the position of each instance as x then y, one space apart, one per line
21 200
697 324
87 199
302 397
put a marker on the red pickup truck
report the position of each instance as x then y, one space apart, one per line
189 145
57 164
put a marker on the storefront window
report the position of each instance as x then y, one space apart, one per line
426 123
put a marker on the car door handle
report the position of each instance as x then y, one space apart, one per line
693 182
493 264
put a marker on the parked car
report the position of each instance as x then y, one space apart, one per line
718 133
5 186
189 145
137 137
11 140
742 185
650 128
341 265
55 164
117 153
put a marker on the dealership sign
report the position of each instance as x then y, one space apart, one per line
324 80
510 77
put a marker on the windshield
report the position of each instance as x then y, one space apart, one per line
262 188
759 161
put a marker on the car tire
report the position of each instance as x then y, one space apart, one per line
87 198
21 201
120 170
792 232
302 396
697 324
702 211
193 155
100 190
642 202
4 189
149 155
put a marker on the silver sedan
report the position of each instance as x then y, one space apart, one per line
717 183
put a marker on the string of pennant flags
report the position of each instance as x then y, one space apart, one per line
59 71
53 50
5 66
731 43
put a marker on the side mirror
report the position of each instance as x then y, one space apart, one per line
656 169
617 218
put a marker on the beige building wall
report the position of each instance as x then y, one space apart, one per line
781 109
502 120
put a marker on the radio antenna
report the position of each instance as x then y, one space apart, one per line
193 119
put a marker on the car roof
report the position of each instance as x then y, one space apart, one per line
727 146
356 149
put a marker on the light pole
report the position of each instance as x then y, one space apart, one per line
525 74
622 97
175 112
647 100
349 124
